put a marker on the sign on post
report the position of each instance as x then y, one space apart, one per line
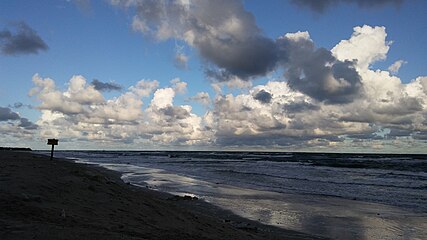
53 142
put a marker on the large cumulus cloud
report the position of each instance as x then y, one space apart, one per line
81 113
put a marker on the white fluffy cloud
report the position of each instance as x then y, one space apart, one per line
80 113
367 45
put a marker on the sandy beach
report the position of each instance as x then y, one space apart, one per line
60 199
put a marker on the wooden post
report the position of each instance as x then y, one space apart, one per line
51 152
52 142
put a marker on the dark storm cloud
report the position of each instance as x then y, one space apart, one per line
317 73
263 96
322 5
27 124
7 114
101 86
23 41
243 52
222 31
246 59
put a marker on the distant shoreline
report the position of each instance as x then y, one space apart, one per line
14 149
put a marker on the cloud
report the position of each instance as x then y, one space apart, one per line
299 118
202 98
322 5
179 86
144 88
422 81
181 61
263 96
171 124
163 98
101 86
366 45
316 72
298 107
18 105
401 106
7 114
395 67
223 32
242 116
27 124
227 37
23 41
77 99
86 115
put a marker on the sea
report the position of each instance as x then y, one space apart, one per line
335 195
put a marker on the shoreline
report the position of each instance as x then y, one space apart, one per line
61 199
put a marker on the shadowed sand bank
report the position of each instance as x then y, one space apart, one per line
60 199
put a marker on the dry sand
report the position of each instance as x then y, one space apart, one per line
60 199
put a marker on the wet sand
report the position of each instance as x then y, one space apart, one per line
60 199
328 216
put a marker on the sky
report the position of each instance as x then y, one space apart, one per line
276 75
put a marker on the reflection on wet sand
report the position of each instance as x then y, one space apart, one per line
332 217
